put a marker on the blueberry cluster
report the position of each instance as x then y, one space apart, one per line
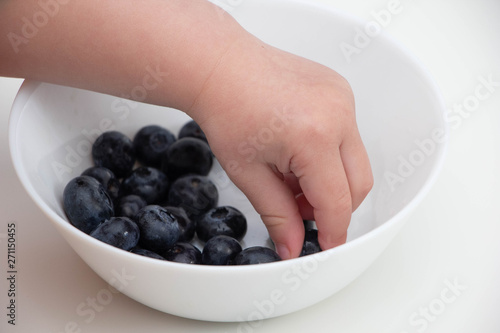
152 196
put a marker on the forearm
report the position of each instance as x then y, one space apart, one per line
114 46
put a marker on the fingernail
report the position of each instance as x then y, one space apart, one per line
283 251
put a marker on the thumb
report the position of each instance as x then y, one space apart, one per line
275 202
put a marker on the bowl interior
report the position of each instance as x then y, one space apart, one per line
399 113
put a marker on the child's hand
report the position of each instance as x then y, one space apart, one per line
284 129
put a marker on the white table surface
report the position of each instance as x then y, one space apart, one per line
451 239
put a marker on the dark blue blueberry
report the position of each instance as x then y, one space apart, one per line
159 228
195 194
225 220
107 178
308 224
185 253
120 232
146 253
86 203
187 156
187 225
311 244
129 206
114 150
149 183
151 143
192 130
256 255
220 250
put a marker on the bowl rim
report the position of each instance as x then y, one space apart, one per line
29 87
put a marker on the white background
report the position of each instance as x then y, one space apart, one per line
453 236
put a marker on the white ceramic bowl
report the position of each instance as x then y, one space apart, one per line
400 115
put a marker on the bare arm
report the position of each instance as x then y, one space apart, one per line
107 46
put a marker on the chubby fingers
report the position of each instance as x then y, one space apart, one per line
332 188
357 168
273 199
326 188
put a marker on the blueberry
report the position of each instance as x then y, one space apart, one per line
149 183
159 228
120 232
107 178
114 150
225 220
187 225
187 156
220 250
195 194
256 255
309 224
86 203
151 143
146 253
192 130
129 206
185 253
311 244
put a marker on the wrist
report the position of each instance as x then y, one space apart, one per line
225 86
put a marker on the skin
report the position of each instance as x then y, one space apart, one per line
283 127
